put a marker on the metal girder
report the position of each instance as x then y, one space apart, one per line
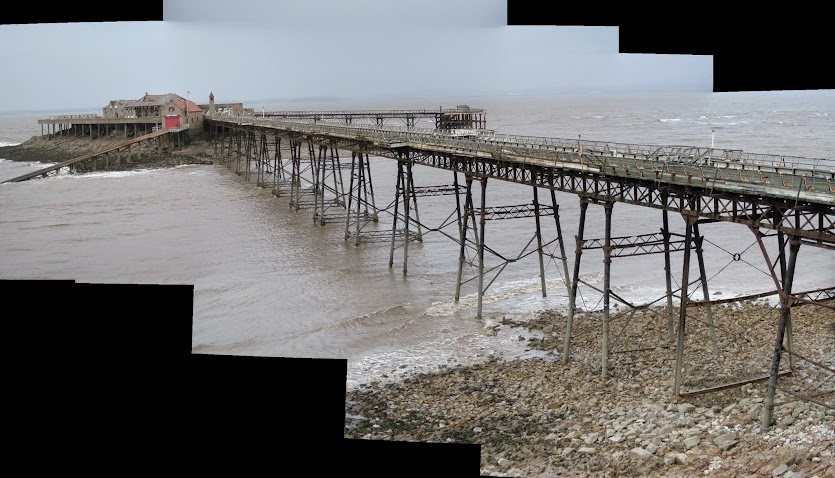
441 190
514 212
644 244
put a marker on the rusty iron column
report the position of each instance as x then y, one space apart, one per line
572 297
278 163
336 166
248 151
786 301
482 222
413 198
350 197
781 241
239 138
361 181
559 238
462 227
539 239
319 185
397 193
295 180
607 263
685 278
703 278
367 179
407 194
667 272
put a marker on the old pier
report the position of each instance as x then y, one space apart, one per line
319 161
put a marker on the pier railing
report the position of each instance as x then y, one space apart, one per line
600 152
87 116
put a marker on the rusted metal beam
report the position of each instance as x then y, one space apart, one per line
731 385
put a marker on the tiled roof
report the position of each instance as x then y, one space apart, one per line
192 108
154 100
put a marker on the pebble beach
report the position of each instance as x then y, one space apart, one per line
539 418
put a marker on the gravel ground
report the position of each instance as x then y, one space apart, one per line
538 418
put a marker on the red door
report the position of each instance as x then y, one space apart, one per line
172 121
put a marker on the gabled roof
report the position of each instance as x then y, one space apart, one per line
192 108
154 100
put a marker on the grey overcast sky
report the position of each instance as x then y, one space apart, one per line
261 49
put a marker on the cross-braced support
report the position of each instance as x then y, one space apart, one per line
300 196
405 194
478 233
690 220
467 223
265 168
784 289
668 273
329 195
280 174
572 296
617 247
703 279
360 197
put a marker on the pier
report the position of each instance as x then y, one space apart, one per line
320 162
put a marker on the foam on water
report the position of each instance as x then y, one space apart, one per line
110 174
434 354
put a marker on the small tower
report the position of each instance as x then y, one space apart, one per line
211 103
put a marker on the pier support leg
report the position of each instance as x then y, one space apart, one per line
403 193
360 184
703 279
397 193
482 221
685 279
539 240
359 191
607 262
351 197
295 180
668 274
781 241
572 296
367 180
462 227
564 258
786 301
319 186
413 198
407 197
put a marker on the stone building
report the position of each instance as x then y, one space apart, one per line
157 107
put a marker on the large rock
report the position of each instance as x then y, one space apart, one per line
641 453
691 442
725 441
780 470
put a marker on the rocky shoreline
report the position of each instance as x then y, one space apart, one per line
39 149
538 418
